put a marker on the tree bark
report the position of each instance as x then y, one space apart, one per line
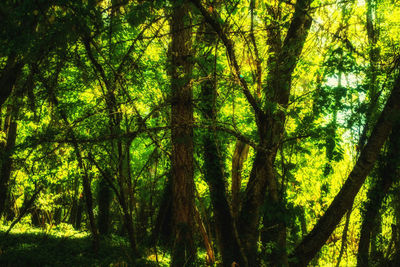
313 242
184 251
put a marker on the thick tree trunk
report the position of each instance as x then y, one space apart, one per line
252 203
184 251
313 242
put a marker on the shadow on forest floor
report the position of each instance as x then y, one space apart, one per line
40 249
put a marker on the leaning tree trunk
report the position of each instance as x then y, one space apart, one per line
183 252
313 242
383 183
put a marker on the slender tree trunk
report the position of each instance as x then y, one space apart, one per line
228 242
313 242
87 192
206 240
124 170
78 214
184 251
10 128
376 194
89 202
252 203
120 149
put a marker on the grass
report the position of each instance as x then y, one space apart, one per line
62 247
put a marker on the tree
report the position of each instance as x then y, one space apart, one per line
184 251
228 243
270 119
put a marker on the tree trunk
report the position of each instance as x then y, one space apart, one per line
184 252
119 148
77 220
104 198
10 128
87 192
123 174
271 128
313 242
9 76
376 194
210 258
251 207
344 236
238 158
270 123
227 239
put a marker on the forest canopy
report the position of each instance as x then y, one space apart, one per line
199 133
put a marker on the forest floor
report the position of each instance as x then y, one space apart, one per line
62 247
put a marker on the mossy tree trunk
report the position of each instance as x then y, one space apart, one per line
228 242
